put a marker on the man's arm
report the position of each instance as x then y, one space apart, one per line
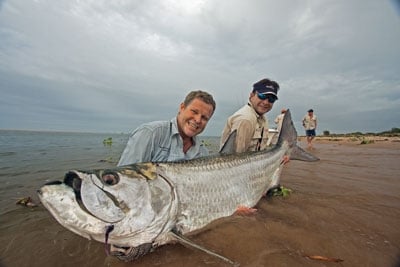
139 147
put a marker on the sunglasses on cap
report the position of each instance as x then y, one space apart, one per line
271 98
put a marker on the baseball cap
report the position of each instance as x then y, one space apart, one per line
265 89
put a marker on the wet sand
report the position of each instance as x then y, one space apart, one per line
345 206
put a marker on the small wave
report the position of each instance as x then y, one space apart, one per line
7 154
5 168
13 174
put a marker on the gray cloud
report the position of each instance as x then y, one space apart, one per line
109 66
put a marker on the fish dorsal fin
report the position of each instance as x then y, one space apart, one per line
229 146
186 242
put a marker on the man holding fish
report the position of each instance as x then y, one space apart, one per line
175 139
250 121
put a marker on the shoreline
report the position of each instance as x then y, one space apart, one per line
371 140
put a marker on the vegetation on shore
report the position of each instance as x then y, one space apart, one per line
394 132
363 138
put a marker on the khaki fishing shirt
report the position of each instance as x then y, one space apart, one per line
252 130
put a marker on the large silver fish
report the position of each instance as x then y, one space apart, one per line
141 206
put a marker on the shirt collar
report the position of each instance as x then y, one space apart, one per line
262 117
174 126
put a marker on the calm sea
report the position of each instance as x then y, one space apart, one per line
30 159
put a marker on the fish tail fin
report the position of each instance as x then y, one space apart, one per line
300 154
288 133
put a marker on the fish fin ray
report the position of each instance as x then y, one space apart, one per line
188 243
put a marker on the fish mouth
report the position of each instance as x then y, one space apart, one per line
73 180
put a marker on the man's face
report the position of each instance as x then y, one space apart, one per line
261 106
193 118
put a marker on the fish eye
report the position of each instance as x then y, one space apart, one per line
110 178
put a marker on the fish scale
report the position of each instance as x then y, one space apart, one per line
212 188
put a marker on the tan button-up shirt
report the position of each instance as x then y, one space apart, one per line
252 130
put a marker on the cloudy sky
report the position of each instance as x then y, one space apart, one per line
108 66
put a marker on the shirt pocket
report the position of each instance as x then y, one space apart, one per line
258 133
162 154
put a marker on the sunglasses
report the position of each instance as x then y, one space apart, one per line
271 98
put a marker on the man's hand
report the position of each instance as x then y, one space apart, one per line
285 159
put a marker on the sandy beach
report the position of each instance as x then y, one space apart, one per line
343 208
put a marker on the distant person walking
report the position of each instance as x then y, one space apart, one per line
310 125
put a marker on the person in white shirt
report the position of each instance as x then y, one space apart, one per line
310 125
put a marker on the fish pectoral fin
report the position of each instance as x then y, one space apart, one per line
188 243
130 253
243 210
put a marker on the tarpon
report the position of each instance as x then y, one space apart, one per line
139 207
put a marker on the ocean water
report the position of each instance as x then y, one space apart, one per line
29 159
